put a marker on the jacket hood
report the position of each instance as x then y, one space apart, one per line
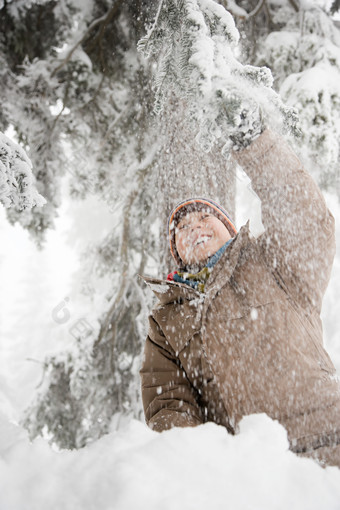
169 291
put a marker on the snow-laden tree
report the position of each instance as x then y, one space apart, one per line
194 43
300 43
17 187
81 100
79 97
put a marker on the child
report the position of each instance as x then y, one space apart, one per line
237 329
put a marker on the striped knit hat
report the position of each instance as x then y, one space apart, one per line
190 205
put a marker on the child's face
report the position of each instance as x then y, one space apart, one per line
199 235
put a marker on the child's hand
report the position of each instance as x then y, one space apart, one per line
250 126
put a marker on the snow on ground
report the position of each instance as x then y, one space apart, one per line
193 469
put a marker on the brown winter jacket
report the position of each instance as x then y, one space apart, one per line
252 343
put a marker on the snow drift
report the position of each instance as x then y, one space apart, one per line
191 468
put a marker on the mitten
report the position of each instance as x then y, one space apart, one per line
249 127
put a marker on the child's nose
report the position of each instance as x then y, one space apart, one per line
195 225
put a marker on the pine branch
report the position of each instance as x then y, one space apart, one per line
257 9
270 23
123 256
335 7
65 98
95 95
237 12
143 43
112 125
294 5
108 17
17 182
195 57
103 21
72 50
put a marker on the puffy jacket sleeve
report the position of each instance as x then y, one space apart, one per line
299 239
169 399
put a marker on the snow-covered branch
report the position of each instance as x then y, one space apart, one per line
103 21
16 178
193 44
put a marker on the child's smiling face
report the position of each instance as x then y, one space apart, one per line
199 235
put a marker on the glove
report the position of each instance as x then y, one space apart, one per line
249 127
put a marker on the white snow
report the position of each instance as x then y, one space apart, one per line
213 9
133 467
17 182
191 468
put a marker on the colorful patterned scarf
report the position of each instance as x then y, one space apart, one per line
198 280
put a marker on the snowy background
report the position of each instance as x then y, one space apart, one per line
132 467
42 302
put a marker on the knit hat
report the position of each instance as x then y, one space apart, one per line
190 205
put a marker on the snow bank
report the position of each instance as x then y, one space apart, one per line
191 468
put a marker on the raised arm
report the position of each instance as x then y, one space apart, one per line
299 239
168 398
